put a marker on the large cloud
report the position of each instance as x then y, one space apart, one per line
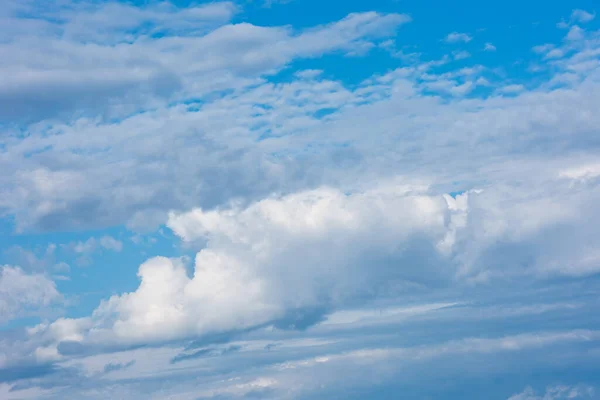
114 59
264 137
289 260
302 197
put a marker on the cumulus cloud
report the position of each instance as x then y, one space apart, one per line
256 254
297 257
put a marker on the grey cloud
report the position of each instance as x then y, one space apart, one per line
117 366
23 294
208 352
266 138
100 60
491 332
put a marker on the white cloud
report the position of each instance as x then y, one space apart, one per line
577 16
104 62
584 172
557 392
481 81
23 294
456 37
256 252
489 47
582 16
461 55
86 247
575 33
266 137
316 250
556 53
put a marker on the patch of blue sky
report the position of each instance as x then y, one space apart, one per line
513 28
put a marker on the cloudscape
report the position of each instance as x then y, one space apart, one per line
299 199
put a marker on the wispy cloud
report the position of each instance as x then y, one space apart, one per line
582 16
457 37
489 47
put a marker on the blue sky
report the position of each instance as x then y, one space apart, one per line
299 200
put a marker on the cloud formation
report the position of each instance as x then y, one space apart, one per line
108 57
457 37
349 233
299 256
23 294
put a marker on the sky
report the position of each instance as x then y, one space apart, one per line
299 199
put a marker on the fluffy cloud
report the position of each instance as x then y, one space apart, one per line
296 257
306 251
